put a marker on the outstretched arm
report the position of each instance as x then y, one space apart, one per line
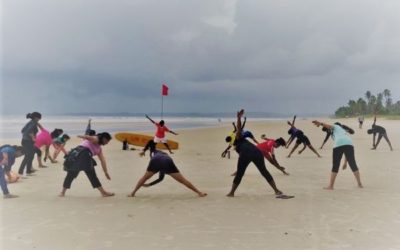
239 124
172 132
104 165
374 120
234 127
160 178
150 119
225 151
325 125
93 139
244 122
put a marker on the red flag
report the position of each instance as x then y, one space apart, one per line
164 90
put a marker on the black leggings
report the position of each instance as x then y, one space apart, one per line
29 150
348 151
91 174
247 156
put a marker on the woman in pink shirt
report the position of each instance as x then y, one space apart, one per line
160 134
44 139
83 161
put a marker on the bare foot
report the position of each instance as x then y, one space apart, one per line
107 194
10 196
61 195
230 195
328 188
131 195
360 186
288 156
202 194
278 192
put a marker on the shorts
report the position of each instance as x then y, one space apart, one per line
160 140
162 164
303 139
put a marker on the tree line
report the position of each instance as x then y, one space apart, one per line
380 104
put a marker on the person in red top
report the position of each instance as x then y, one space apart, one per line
160 134
267 149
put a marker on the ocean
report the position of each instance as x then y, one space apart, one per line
10 126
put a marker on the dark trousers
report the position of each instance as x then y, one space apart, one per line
29 150
338 153
245 158
91 174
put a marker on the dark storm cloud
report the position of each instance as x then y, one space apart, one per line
283 56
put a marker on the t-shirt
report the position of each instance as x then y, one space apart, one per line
29 128
233 138
43 139
59 140
267 146
94 148
340 137
161 130
378 129
10 151
245 134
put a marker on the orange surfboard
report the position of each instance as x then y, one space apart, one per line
141 140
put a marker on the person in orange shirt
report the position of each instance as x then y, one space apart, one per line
160 134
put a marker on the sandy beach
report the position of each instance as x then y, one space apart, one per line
169 216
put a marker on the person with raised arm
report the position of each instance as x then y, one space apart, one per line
248 153
160 133
381 132
301 139
343 146
163 164
82 160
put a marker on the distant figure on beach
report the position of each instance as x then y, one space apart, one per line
59 145
160 134
328 134
89 130
381 131
29 132
232 137
81 159
301 139
125 145
162 163
360 121
248 153
343 146
7 159
45 139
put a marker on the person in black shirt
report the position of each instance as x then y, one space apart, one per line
248 152
381 131
29 132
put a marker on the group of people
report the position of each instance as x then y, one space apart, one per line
81 157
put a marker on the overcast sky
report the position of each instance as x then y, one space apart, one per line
308 56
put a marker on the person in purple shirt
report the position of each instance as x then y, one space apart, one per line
301 139
90 147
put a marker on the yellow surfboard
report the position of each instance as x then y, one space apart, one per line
141 140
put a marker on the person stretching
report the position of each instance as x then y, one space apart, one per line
160 134
343 146
162 163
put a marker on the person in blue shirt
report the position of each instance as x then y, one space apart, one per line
343 146
7 159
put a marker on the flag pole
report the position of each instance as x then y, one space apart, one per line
162 106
